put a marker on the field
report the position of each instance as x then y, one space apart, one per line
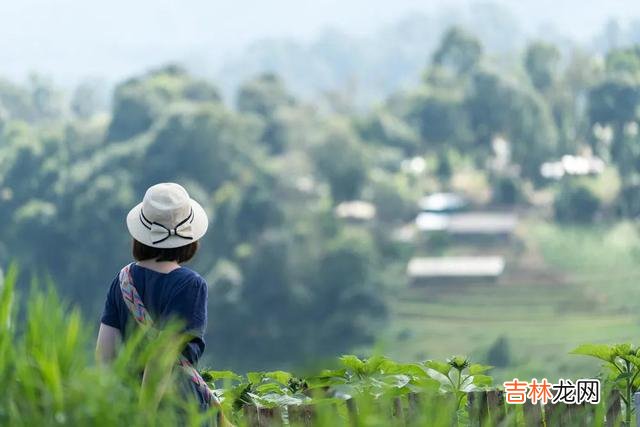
563 287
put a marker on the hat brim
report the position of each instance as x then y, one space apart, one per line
139 232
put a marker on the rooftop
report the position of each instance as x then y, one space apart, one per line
468 222
356 209
490 266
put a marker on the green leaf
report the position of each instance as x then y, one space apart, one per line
269 388
424 384
476 368
441 367
373 364
411 369
255 377
352 362
223 375
635 360
279 400
623 349
599 351
482 380
623 376
396 381
280 376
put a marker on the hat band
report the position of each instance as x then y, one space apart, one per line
182 230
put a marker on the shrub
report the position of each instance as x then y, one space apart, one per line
499 354
506 190
575 203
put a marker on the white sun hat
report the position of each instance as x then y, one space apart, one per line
167 217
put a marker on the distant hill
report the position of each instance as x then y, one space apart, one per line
368 68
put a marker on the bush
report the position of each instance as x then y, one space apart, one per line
628 203
575 203
499 354
506 190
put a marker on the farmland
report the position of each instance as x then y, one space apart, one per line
566 286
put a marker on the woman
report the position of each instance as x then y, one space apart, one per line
165 228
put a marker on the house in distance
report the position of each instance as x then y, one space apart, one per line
468 227
447 271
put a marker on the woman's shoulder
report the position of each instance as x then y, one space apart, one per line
188 275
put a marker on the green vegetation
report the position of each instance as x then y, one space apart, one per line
292 283
48 378
622 366
571 285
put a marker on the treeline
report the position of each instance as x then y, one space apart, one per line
290 281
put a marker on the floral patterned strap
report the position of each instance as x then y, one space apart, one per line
141 315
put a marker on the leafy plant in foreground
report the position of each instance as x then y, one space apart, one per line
622 369
459 376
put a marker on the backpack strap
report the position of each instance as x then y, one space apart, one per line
141 315
132 298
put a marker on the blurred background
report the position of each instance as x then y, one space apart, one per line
416 179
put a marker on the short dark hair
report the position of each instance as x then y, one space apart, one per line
142 252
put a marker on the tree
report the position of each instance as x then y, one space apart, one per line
340 158
138 102
16 102
440 117
575 203
202 142
624 63
541 61
266 97
614 103
386 128
86 100
497 106
458 53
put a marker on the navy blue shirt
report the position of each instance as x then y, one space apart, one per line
180 294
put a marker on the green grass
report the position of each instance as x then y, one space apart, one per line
589 291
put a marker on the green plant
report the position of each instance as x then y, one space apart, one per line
622 367
459 376
575 203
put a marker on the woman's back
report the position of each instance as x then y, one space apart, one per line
180 294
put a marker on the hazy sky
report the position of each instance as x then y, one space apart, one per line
70 39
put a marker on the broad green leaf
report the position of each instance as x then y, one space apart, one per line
255 377
373 364
352 362
397 381
328 373
224 375
280 400
269 388
280 376
635 360
441 367
411 369
599 351
623 349
476 368
424 384
482 380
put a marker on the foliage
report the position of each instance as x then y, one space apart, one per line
459 52
622 366
541 62
499 354
575 203
271 169
506 190
49 378
340 159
